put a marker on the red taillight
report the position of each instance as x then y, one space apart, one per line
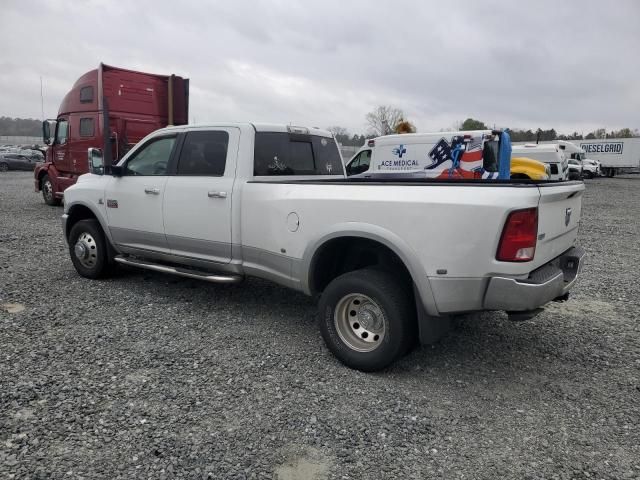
519 236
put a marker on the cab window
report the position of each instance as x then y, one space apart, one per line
62 132
204 153
278 153
152 159
86 127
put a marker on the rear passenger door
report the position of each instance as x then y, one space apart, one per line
197 201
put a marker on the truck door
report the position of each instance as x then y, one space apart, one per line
197 201
134 200
61 145
82 135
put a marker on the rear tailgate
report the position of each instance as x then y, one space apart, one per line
559 212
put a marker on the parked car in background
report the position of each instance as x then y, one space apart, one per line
15 161
575 169
36 155
590 168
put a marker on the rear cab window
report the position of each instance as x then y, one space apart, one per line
285 154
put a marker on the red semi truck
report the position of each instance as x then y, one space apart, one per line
132 104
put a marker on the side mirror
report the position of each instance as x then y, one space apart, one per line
46 132
94 158
116 170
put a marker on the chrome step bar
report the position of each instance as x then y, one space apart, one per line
183 272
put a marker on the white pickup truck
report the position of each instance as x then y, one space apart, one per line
389 260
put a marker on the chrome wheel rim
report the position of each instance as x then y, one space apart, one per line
47 188
360 322
86 250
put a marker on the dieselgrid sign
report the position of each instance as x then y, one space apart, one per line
605 147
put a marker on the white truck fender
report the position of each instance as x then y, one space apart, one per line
378 234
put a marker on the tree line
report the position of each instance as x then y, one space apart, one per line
20 127
518 135
386 119
383 120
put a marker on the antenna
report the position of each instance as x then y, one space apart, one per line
41 99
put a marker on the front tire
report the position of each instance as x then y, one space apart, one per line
4 167
46 185
88 249
367 319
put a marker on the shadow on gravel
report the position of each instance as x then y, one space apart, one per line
479 346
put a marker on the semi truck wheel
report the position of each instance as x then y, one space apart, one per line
88 249
367 319
47 192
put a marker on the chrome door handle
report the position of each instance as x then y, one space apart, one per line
152 191
217 194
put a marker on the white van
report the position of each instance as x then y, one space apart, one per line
472 154
549 153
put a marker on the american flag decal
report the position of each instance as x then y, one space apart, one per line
439 154
466 164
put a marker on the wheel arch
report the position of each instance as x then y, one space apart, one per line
82 211
320 256
41 172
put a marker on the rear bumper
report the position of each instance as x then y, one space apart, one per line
548 282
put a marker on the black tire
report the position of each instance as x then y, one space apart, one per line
394 300
95 264
46 185
4 167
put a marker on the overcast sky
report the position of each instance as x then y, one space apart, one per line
571 65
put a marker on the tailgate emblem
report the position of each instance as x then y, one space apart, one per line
567 217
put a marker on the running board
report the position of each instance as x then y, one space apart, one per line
183 272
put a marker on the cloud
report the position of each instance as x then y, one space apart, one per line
568 65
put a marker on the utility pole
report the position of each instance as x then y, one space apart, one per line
41 99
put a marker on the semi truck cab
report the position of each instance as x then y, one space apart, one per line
111 109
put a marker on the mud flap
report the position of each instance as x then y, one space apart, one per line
430 328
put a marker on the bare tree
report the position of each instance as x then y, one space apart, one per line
336 130
383 120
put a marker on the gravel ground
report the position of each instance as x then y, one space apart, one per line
150 376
